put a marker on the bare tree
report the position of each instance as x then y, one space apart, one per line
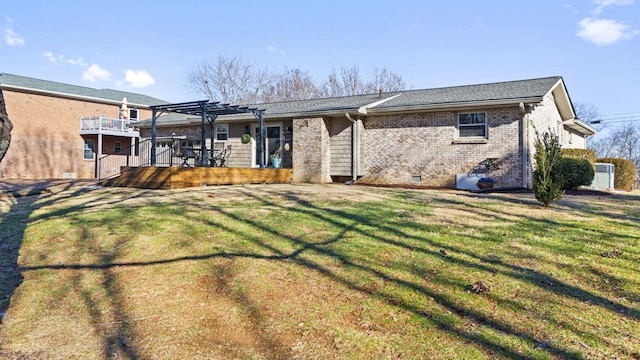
622 142
386 80
344 82
230 80
587 112
292 84
5 128
347 81
236 80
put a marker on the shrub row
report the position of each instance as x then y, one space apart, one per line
575 172
586 154
624 173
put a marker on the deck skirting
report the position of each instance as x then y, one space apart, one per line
176 177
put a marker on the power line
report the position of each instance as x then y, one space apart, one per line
614 120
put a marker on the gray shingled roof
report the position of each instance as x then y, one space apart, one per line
74 90
500 92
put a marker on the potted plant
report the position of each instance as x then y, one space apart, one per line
276 156
246 138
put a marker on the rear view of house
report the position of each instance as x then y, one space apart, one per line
429 137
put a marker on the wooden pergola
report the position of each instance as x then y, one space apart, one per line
208 111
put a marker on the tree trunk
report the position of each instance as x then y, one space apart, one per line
5 128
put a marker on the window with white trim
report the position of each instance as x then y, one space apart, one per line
133 114
472 125
89 149
222 132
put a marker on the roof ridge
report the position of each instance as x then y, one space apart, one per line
392 93
489 83
59 87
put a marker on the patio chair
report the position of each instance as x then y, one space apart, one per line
187 153
219 155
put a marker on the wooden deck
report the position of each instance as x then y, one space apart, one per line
175 177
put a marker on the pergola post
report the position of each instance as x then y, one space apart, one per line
263 136
203 136
153 137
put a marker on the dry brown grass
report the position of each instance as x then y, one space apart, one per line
319 272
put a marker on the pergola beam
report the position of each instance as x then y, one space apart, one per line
205 109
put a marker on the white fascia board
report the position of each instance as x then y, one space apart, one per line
363 109
455 106
580 126
70 96
563 101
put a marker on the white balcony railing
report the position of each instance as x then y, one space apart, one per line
101 124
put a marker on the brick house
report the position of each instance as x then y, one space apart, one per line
60 130
430 137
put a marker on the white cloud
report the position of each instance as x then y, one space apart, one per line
13 39
52 58
602 4
272 49
138 79
77 61
95 73
604 31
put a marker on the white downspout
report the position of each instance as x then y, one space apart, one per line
525 146
354 146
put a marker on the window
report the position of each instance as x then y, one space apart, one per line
222 132
117 146
192 144
472 125
89 152
133 114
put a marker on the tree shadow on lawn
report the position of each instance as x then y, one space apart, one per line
488 264
556 223
572 201
350 222
22 201
27 200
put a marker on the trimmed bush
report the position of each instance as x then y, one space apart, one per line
576 172
624 173
547 179
586 154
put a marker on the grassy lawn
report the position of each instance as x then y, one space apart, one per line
318 272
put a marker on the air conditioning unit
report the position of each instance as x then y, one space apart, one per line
603 179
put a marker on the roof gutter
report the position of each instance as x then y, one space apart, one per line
580 126
69 96
457 105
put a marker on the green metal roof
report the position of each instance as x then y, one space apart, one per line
77 91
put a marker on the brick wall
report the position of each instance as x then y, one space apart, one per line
421 148
311 150
45 141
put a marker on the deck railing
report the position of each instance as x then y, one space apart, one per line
134 156
104 124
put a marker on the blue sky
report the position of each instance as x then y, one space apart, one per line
148 46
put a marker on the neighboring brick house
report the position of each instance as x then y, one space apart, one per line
427 137
49 139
